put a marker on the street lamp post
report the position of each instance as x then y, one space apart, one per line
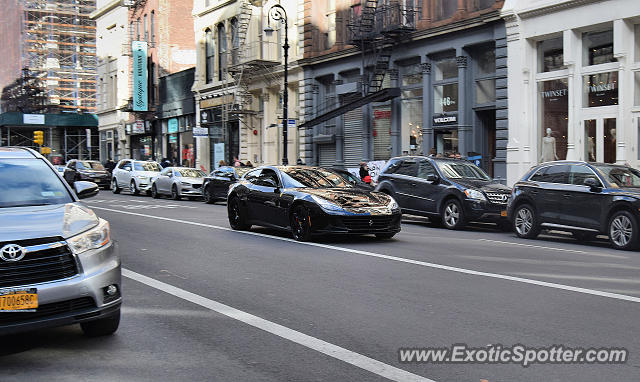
278 14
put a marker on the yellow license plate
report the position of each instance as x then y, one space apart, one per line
18 300
503 213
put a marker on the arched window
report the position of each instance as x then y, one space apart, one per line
210 55
153 27
235 41
222 51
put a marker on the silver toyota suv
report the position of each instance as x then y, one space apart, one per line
58 264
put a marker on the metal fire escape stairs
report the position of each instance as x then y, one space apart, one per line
375 36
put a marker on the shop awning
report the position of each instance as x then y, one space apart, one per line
380 96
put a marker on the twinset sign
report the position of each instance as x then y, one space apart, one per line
440 120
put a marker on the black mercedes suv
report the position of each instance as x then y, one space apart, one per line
451 192
583 198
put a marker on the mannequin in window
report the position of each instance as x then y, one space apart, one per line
548 148
592 149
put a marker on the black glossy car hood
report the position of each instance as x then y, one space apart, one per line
484 185
66 220
350 197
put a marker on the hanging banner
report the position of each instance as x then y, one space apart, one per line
139 51
172 125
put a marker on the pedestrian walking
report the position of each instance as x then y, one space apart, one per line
364 171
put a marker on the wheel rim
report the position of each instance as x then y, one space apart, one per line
235 212
299 219
524 221
451 214
132 188
621 230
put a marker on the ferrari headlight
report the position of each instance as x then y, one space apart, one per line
474 194
325 204
96 237
393 205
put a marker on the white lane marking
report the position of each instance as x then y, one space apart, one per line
399 259
552 248
335 351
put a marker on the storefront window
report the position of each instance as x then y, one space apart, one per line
597 47
550 55
553 119
446 142
446 69
600 89
590 140
411 120
486 62
485 91
412 78
445 98
610 135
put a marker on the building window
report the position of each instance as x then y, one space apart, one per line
235 41
210 54
411 108
445 9
222 51
597 47
553 119
152 31
138 29
550 55
146 28
446 87
476 5
600 89
485 63
446 69
636 87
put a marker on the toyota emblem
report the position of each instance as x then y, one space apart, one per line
12 252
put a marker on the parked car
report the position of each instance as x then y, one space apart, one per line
136 175
354 180
585 199
178 182
451 192
216 185
90 170
309 201
58 264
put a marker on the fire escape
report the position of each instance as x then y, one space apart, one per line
375 29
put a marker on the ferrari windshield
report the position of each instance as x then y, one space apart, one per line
313 178
461 170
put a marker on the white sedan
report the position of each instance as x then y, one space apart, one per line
178 182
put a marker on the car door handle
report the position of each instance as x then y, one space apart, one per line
567 195
413 184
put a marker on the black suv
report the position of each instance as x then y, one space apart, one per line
585 199
448 191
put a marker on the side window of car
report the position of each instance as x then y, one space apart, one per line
408 167
554 174
425 168
72 165
252 176
392 166
122 164
270 174
166 171
579 173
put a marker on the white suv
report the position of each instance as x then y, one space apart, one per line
135 175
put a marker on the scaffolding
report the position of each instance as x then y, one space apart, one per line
60 48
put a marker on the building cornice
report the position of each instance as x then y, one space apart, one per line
553 7
104 10
213 8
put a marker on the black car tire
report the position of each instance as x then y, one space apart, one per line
114 186
133 189
623 230
101 327
237 218
175 195
154 192
452 214
385 236
300 224
525 222
583 236
207 197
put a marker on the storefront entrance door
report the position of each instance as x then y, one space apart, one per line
599 139
446 141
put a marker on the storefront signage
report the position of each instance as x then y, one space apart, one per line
218 154
139 52
33 119
200 132
554 94
440 120
216 101
137 127
172 125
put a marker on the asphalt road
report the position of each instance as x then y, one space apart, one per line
204 303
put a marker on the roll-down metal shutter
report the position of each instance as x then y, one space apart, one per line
327 154
353 140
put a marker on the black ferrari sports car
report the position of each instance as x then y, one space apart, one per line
309 201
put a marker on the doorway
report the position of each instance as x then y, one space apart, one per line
446 141
487 119
599 138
